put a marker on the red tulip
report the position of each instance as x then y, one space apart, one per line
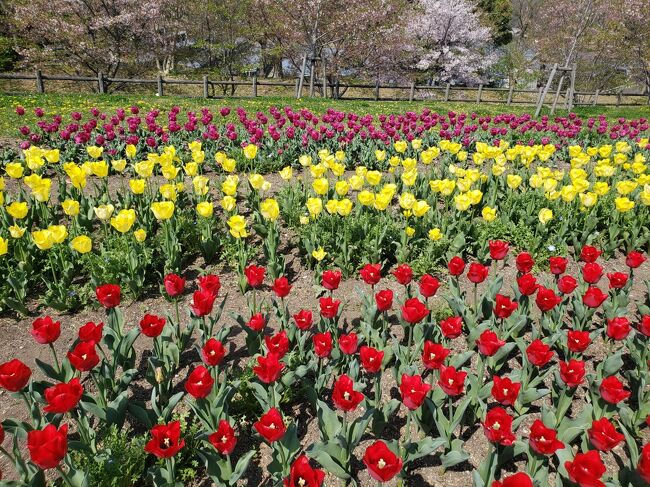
152 326
488 343
303 319
47 447
174 285
329 307
109 295
271 426
434 355
592 272
527 284
14 375
382 463
224 439
538 353
498 249
371 359
210 283
644 325
84 356
544 440
524 262
452 327
277 344
643 467
586 469
165 440
558 265
498 427
45 330
603 435
503 306
572 372
520 479
322 344
348 343
91 332
504 391
413 391
61 398
269 368
618 328
199 383
589 254
451 381
477 273
371 274
384 300
303 475
546 299
256 322
428 285
617 280
202 303
578 341
330 280
634 259
281 287
254 276
213 352
404 274
414 311
612 390
567 284
594 297
456 266
344 396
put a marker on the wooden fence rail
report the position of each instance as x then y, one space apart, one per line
337 90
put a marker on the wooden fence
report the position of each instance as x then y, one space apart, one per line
344 91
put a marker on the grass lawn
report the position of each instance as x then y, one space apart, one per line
66 103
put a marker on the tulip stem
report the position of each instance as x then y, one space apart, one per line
56 359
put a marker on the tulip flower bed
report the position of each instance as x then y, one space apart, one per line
361 396
124 197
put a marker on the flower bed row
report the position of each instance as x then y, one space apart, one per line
522 369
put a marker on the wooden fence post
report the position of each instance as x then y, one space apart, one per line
377 91
595 102
101 86
206 91
337 88
509 102
412 92
447 91
480 92
159 83
255 86
40 86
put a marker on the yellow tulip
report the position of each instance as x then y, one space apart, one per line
18 209
170 172
237 225
344 207
104 212
407 200
314 206
124 220
94 151
409 177
43 239
256 181
205 209
373 178
435 234
366 198
420 208
70 207
319 254
250 151
229 186
58 232
163 210
489 214
588 199
380 155
118 165
137 185
331 206
228 203
623 204
200 184
286 173
191 169
168 191
321 186
416 144
144 169
409 231
4 246
14 170
270 209
16 232
305 160
400 146
545 215
382 200
462 201
130 151
513 181
82 244
342 187
356 182
140 235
